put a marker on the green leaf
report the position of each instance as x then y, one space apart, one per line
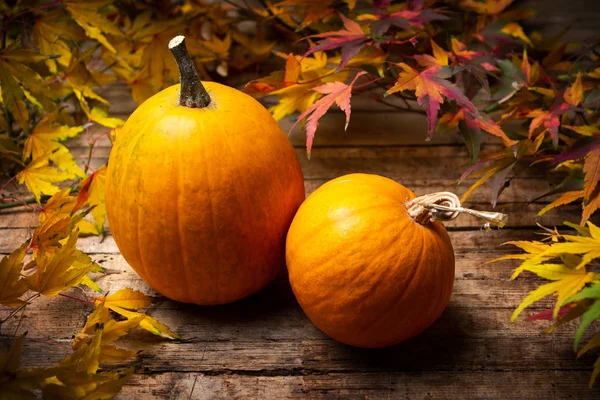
590 315
591 292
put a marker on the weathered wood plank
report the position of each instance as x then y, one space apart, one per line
471 240
499 385
520 215
268 339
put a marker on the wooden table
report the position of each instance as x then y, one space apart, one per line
265 347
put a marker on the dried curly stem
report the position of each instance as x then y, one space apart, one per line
445 206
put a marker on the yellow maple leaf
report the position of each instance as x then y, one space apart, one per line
148 323
63 204
155 55
565 198
57 271
13 97
100 116
85 358
86 14
574 94
587 247
34 88
126 298
112 329
110 354
489 7
11 285
45 136
40 177
568 282
91 192
515 30
51 31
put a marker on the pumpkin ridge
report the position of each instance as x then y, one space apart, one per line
126 171
180 231
406 288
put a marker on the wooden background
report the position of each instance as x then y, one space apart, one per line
264 346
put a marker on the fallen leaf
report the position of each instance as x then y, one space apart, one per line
127 298
55 271
11 285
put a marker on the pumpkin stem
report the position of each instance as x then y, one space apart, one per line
192 93
445 206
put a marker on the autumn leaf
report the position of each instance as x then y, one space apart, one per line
350 41
489 7
567 282
87 15
112 329
127 298
148 323
13 97
432 87
100 116
549 120
336 92
58 271
292 70
297 96
40 178
91 192
515 30
11 285
53 230
310 10
52 33
63 205
591 168
587 247
574 94
565 198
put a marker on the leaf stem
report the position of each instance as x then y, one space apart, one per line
5 206
16 310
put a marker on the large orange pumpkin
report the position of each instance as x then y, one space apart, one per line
201 187
367 265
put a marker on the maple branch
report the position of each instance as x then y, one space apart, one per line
192 93
409 108
5 206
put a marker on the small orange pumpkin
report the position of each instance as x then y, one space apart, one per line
366 263
201 187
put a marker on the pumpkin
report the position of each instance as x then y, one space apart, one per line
366 262
201 187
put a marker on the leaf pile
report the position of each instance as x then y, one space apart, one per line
57 265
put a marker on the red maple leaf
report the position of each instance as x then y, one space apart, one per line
351 40
549 119
338 93
431 88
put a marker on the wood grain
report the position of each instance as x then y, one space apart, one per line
499 385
